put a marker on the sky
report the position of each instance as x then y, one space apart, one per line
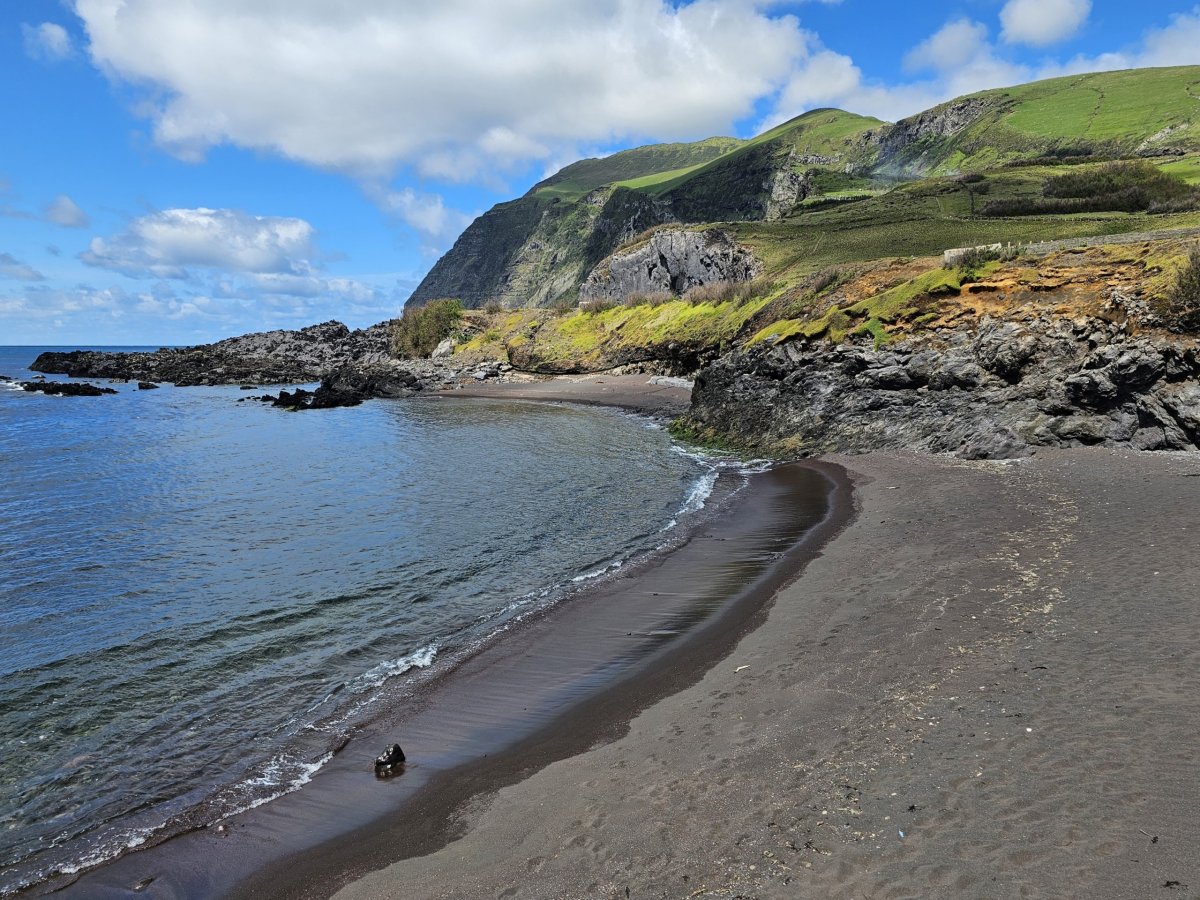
174 173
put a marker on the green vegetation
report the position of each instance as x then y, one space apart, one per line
639 164
869 316
1038 162
1107 113
1133 186
418 332
1183 300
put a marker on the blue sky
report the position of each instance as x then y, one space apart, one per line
180 172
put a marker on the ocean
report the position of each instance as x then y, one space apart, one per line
202 598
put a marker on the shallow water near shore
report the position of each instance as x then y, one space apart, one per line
203 598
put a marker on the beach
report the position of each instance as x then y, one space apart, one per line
969 679
986 686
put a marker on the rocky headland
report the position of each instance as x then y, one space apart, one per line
993 390
271 357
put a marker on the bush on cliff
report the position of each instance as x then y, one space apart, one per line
1184 297
418 332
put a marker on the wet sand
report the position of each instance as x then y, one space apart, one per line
632 392
988 685
553 686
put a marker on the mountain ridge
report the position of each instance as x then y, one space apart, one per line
538 249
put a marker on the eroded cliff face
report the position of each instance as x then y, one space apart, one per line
672 261
994 389
917 144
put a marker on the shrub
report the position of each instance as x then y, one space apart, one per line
600 304
493 306
1132 186
418 332
728 291
1184 296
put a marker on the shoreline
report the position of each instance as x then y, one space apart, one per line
178 866
987 685
634 393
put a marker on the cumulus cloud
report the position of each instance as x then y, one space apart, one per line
1040 23
11 267
457 89
428 214
165 244
959 59
1175 44
46 41
951 47
64 211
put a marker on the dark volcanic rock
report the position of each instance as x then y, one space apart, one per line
672 261
349 386
66 388
271 357
990 391
147 386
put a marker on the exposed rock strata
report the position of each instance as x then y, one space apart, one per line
991 391
271 357
672 261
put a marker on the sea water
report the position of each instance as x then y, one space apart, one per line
199 597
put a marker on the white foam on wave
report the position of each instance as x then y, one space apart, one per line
419 659
596 573
284 773
131 841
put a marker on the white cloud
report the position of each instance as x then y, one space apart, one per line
461 88
960 57
1041 23
165 244
427 213
47 41
1175 44
11 267
64 211
951 47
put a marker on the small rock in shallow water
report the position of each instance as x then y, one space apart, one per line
390 761
146 385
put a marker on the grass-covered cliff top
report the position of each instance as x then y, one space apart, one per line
881 301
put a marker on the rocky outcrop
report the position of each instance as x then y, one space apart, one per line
271 357
993 390
786 189
672 261
66 388
903 147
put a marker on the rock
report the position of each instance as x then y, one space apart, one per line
444 349
271 357
1001 443
390 761
66 388
994 390
147 386
672 261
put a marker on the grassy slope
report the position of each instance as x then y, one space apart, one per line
722 180
585 176
880 301
723 187
1113 112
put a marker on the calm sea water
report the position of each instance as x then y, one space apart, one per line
199 597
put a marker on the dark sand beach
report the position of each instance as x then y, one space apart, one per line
553 686
986 684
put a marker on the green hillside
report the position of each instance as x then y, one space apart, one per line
585 176
830 187
1137 111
